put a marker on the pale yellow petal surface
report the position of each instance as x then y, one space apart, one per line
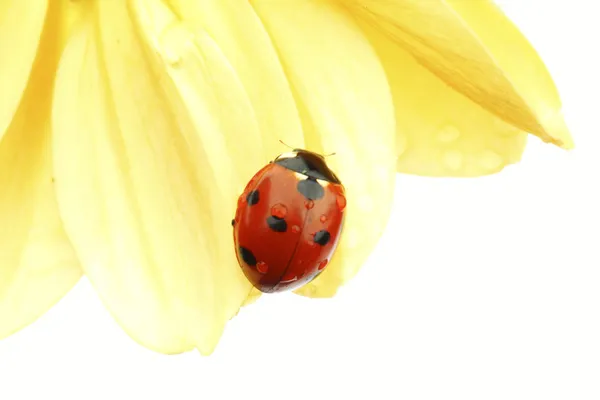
236 28
148 116
234 148
475 49
440 132
37 263
21 24
346 106
238 31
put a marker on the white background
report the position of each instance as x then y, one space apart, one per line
481 289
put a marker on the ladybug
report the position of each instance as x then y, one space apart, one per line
288 221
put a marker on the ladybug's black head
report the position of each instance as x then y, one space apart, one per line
307 163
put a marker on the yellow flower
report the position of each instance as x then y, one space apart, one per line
129 128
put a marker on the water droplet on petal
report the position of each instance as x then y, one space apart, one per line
309 204
453 159
170 55
262 267
323 218
279 211
490 160
448 134
295 228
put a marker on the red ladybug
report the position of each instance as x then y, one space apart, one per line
288 221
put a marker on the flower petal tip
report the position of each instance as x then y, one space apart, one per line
558 132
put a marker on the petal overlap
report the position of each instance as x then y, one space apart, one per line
148 192
37 263
344 99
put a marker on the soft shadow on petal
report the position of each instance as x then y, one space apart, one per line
149 115
346 105
21 24
474 48
37 263
440 132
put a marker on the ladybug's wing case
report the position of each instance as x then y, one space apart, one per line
319 238
268 225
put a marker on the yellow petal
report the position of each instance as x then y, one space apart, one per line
151 121
440 132
243 40
234 25
345 102
37 263
475 49
21 24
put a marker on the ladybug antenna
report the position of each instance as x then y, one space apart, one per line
330 154
285 144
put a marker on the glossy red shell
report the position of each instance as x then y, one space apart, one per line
282 238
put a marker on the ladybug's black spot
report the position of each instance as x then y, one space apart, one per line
277 224
322 237
311 189
253 198
247 256
233 222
